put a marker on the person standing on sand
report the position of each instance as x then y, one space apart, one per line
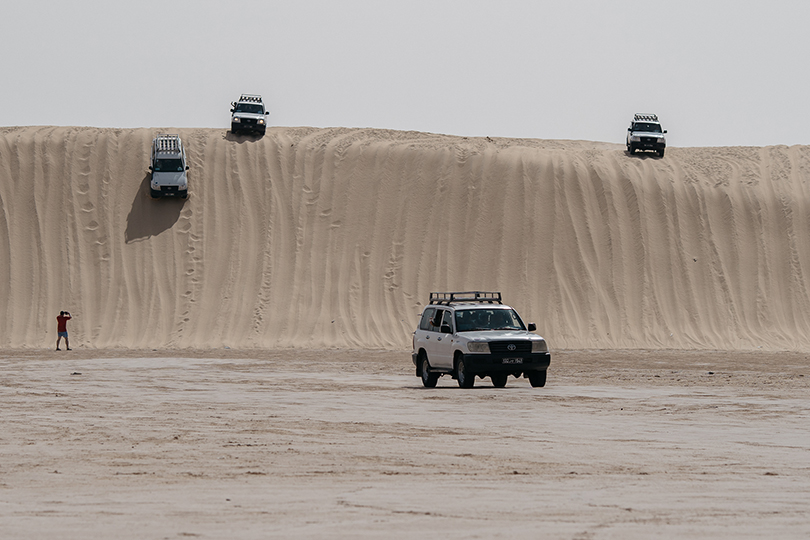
61 329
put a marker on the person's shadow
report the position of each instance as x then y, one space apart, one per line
150 217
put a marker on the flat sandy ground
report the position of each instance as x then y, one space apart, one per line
347 444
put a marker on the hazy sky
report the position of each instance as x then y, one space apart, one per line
717 73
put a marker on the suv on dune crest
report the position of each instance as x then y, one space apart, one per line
645 133
168 166
473 334
248 115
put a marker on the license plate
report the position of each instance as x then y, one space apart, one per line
512 360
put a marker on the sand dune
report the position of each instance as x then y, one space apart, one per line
334 238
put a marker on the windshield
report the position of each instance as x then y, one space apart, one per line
471 320
249 108
646 126
169 165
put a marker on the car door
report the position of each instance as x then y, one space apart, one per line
444 341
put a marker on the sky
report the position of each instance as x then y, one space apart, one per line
717 73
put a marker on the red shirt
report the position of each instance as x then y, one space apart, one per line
62 323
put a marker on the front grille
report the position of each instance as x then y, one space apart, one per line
248 120
168 188
648 140
503 347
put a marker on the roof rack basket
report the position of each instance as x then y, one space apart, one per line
253 98
481 297
642 117
167 143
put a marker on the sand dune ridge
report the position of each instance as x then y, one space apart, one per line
334 238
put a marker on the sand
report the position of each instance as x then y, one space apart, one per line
347 444
241 361
320 238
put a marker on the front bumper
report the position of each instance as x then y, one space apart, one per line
648 143
248 127
506 363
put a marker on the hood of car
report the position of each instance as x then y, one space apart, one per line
499 335
648 134
169 178
253 116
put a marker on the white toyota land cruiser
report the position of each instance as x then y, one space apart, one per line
469 334
168 167
248 115
645 133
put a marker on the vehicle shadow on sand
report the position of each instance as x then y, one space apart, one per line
150 217
241 139
642 155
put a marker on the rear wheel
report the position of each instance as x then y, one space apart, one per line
499 380
464 377
429 379
537 378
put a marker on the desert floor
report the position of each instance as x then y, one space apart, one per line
347 444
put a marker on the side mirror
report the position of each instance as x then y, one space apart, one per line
231 110
266 112
532 327
186 167
665 131
150 167
445 329
629 129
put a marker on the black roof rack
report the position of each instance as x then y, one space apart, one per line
482 297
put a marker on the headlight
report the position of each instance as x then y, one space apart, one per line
260 121
481 346
236 119
634 138
661 140
539 345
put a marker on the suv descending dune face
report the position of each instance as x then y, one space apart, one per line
248 115
645 133
168 166
473 334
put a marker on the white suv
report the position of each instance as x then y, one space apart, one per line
168 167
645 133
469 334
248 115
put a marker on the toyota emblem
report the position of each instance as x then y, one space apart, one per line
511 346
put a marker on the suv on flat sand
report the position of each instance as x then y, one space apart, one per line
168 166
645 133
469 334
248 115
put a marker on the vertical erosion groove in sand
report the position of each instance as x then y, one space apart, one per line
334 238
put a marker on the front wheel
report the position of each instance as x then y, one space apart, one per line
429 379
631 149
154 193
464 377
499 380
661 153
537 378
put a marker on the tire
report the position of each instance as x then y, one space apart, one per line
464 377
661 153
184 194
154 193
499 379
537 378
429 379
631 149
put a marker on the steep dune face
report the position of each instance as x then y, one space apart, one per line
335 237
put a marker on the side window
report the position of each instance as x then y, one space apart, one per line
424 324
448 319
435 321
